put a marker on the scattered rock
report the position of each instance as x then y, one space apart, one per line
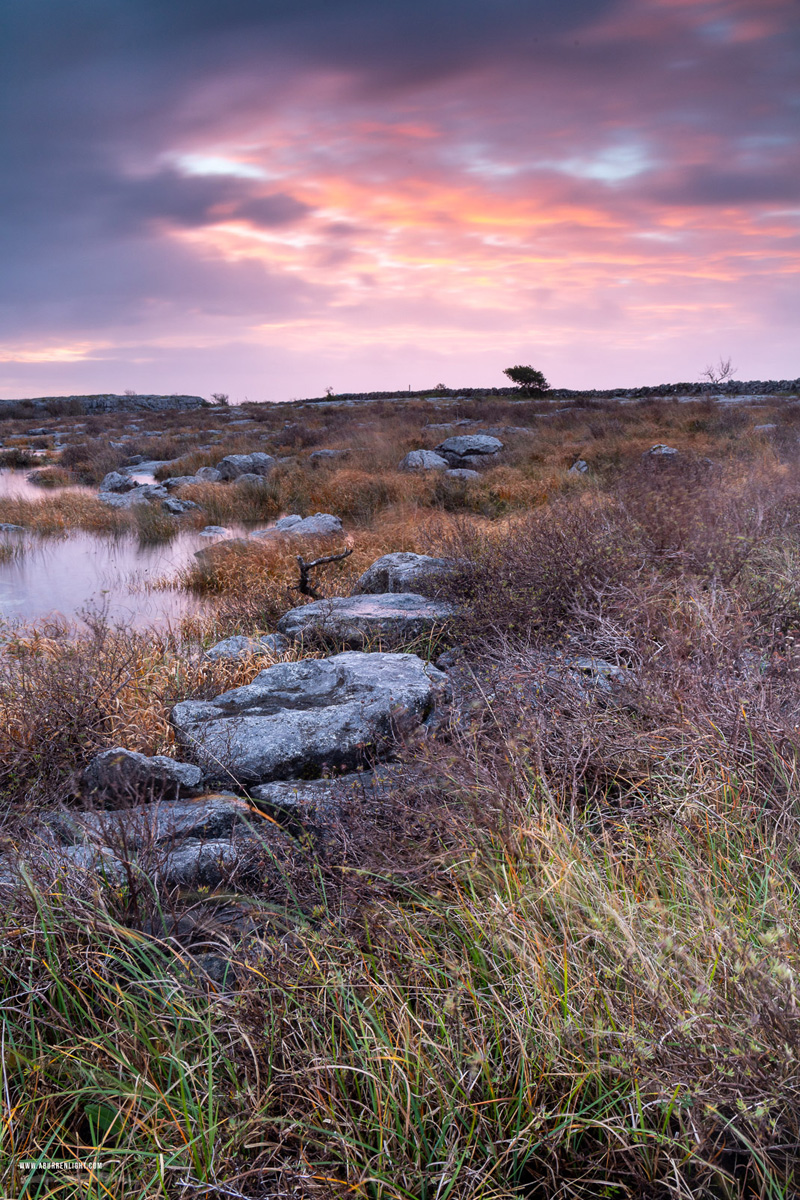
320 456
234 465
178 481
114 481
240 646
320 525
250 479
423 460
208 475
214 531
764 428
462 473
660 451
141 494
580 467
6 527
298 719
175 506
119 774
468 446
402 572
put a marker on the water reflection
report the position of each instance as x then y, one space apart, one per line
64 575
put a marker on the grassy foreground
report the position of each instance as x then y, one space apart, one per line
559 958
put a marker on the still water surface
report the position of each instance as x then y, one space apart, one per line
52 575
65 575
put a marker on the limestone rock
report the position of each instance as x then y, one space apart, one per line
119 774
239 646
298 719
114 481
208 475
469 444
423 460
234 465
319 525
402 572
462 473
396 617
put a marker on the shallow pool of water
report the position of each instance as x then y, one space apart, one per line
15 485
66 575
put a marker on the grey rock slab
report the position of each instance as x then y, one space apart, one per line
214 815
395 617
234 465
470 443
7 527
660 451
463 473
214 531
402 572
143 493
321 800
300 718
208 475
239 646
120 774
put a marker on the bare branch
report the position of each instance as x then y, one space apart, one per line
304 584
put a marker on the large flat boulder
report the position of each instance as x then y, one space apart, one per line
402 572
470 443
395 617
297 719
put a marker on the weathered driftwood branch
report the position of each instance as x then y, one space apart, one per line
304 585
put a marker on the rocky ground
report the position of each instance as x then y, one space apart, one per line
453 846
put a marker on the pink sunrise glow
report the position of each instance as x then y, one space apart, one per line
612 196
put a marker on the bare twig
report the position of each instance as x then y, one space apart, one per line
304 585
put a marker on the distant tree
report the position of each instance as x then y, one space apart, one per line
220 397
527 379
440 387
720 373
329 391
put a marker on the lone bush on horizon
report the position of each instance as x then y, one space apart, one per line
528 379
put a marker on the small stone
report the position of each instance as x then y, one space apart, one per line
465 474
580 467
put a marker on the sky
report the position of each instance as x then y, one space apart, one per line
268 198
